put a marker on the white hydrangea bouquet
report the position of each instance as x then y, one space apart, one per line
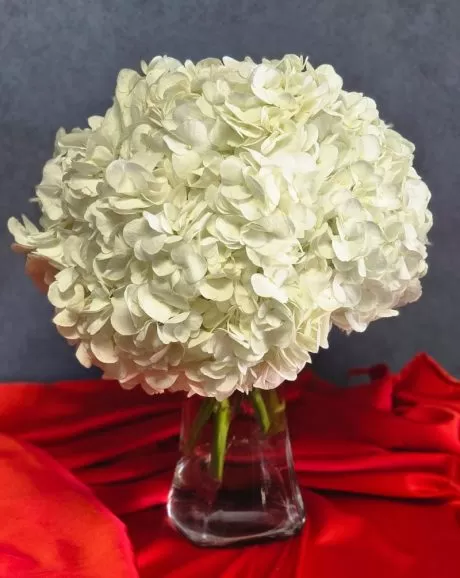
207 232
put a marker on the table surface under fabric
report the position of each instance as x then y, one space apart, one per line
85 469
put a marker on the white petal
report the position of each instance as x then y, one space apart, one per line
153 307
194 265
121 318
357 324
160 382
348 250
301 163
125 176
98 323
103 349
83 356
158 223
231 171
252 237
66 318
163 266
194 133
19 232
369 148
327 301
252 210
262 77
196 268
264 287
235 192
272 190
186 163
66 278
128 204
176 146
200 339
179 318
153 245
227 230
216 289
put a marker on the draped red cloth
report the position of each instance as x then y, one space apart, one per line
85 469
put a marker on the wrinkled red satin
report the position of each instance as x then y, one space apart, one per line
380 461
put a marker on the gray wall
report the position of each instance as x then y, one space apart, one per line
58 64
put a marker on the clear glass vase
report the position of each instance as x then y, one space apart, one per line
235 482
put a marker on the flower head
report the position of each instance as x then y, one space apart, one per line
207 232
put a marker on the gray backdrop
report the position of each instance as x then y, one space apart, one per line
58 64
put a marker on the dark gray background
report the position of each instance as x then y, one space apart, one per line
58 65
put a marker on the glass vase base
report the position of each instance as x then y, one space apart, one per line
210 514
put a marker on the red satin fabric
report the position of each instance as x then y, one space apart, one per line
378 463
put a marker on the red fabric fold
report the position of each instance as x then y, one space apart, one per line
379 465
53 525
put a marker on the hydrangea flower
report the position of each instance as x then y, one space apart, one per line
207 232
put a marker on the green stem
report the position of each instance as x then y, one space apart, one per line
260 410
222 417
276 408
202 417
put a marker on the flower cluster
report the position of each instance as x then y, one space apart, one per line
208 231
